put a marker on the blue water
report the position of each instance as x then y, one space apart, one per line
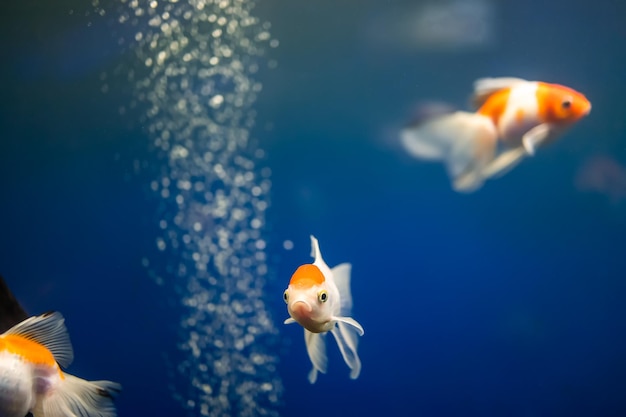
504 302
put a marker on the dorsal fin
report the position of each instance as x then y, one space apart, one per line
485 87
315 249
49 331
318 260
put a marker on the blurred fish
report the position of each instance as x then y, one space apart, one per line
604 175
514 118
319 299
441 25
32 353
11 312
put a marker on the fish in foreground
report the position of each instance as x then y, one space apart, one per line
514 118
319 299
31 380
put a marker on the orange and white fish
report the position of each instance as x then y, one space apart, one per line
513 119
31 380
319 299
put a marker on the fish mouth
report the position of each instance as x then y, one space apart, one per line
300 308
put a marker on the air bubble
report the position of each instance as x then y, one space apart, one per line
199 59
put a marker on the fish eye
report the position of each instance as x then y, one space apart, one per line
567 103
322 296
286 296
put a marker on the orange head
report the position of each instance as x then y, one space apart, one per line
561 105
308 300
307 275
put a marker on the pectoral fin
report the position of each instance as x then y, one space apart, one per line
290 320
504 162
535 137
352 322
508 159
347 340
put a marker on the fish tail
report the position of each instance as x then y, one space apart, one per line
78 397
464 142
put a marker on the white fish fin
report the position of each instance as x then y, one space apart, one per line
473 149
504 162
352 322
466 142
290 320
420 145
535 137
37 410
316 348
315 248
348 341
485 87
468 182
48 330
77 397
318 260
341 274
316 254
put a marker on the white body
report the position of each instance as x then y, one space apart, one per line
17 395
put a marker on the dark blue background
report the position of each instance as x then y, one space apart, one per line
506 302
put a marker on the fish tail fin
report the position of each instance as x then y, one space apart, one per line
316 348
464 142
78 397
347 339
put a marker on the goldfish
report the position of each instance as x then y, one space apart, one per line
32 354
319 299
514 118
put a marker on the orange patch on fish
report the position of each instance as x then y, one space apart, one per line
495 105
560 104
307 275
27 349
